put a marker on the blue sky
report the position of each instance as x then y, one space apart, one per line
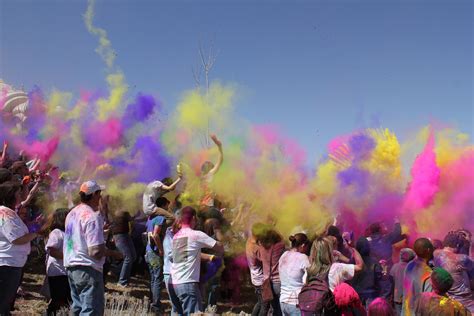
316 68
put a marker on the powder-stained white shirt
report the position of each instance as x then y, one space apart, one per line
55 267
292 266
187 245
152 192
12 228
84 229
340 273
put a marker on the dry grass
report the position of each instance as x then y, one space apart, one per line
119 301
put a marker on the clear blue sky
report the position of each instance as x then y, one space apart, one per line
317 68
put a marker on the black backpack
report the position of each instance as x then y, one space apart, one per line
316 298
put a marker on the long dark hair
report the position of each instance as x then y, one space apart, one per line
8 192
56 220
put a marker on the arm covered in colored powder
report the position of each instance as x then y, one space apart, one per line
171 186
220 159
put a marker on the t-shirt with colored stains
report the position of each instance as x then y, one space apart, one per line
54 266
152 192
416 281
187 245
339 273
292 266
84 229
12 228
431 303
458 265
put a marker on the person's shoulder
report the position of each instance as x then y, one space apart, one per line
158 220
56 232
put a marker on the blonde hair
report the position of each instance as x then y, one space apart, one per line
321 257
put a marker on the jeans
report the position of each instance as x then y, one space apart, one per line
60 292
124 244
175 304
189 297
258 305
87 290
9 282
275 303
155 265
290 310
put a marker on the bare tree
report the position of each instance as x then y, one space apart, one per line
207 59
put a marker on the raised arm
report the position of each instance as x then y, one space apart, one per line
171 186
4 153
35 165
220 159
31 194
359 263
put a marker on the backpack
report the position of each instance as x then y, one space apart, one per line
316 298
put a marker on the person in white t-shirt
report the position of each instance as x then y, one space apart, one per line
292 266
156 189
59 289
323 264
186 264
84 252
14 244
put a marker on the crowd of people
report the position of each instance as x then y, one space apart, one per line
190 250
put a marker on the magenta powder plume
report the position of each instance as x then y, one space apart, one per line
425 178
102 135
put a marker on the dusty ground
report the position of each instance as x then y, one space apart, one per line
33 303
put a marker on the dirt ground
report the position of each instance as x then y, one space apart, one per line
33 303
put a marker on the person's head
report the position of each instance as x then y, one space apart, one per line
167 181
10 194
407 255
375 229
380 307
268 237
206 167
321 256
363 246
300 243
258 229
437 244
423 248
335 232
20 168
441 281
5 175
453 240
346 297
162 202
56 220
188 216
90 193
466 237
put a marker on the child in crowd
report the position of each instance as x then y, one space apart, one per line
60 291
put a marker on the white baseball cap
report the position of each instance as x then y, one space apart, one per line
90 187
